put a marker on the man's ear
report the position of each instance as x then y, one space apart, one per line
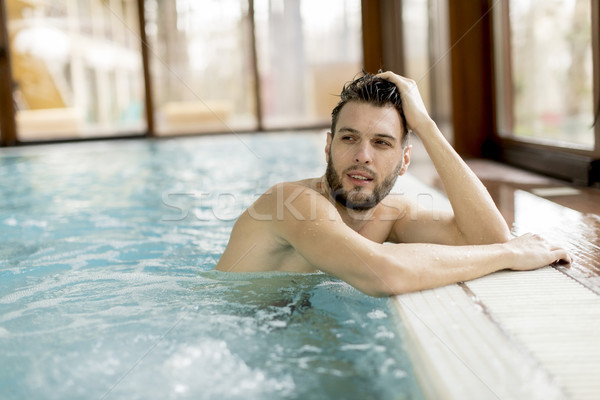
405 159
328 146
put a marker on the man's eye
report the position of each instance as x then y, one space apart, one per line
347 138
383 143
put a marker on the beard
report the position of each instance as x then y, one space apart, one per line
357 199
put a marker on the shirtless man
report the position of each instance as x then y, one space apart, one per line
338 223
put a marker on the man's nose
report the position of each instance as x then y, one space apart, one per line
364 154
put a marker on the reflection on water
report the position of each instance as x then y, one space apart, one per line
104 295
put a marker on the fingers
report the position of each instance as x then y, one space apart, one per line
406 86
559 253
390 77
385 74
417 117
562 257
400 81
550 252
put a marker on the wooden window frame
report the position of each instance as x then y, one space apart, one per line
382 35
8 130
8 127
148 103
474 100
573 163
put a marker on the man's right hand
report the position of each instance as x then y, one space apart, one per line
532 251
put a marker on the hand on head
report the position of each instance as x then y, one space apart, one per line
412 103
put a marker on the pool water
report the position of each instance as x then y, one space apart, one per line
108 288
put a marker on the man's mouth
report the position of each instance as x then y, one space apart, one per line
359 178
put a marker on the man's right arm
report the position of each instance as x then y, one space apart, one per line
311 224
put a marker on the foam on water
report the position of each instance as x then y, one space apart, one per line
104 295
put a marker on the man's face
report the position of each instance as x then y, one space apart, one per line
365 155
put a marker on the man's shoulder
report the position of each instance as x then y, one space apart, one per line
310 184
285 212
292 201
292 191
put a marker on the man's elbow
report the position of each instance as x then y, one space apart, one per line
391 280
379 291
490 235
501 234
388 290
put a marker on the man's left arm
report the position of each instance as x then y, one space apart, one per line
476 218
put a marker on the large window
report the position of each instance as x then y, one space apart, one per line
79 68
201 65
416 43
426 56
307 50
544 64
76 68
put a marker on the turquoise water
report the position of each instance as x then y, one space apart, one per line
107 288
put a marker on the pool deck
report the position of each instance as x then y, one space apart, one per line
515 335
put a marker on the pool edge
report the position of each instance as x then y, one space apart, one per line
458 352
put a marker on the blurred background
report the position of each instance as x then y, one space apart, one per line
515 80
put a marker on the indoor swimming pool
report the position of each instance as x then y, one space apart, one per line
107 287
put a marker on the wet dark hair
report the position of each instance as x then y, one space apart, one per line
371 90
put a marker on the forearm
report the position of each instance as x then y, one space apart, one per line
477 217
426 266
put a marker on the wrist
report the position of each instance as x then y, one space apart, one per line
508 255
425 127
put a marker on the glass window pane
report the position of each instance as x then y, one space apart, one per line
544 71
415 29
201 65
307 50
426 43
77 68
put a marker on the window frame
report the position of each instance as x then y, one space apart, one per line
565 161
9 133
474 100
8 130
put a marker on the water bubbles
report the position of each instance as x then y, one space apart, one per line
310 349
377 314
11 221
210 368
383 333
